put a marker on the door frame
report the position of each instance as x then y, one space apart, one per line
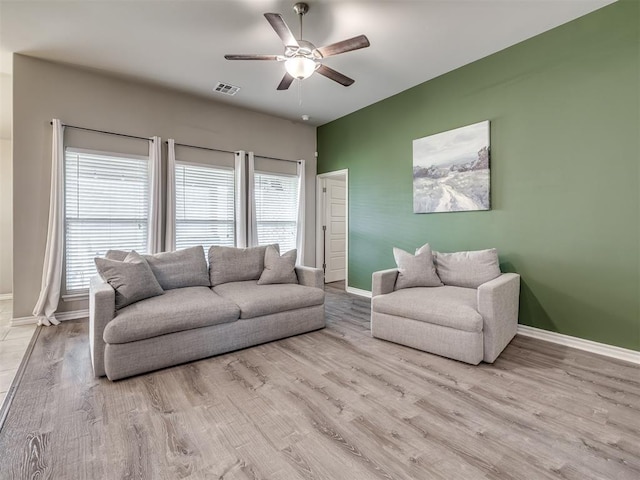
320 215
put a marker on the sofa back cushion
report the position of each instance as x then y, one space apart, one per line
230 264
415 270
468 269
278 269
132 279
179 269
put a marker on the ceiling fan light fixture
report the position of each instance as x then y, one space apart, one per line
300 67
301 58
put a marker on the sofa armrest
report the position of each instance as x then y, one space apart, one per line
310 276
383 281
102 308
498 303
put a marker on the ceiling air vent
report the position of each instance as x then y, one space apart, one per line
226 89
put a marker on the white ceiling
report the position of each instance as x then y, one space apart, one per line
180 44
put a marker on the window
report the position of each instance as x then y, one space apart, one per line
204 206
106 207
276 199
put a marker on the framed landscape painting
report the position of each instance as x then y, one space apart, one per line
451 170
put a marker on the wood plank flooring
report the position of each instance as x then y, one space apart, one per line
13 344
333 404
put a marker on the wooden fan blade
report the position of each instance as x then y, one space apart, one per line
286 82
335 76
251 57
281 28
355 43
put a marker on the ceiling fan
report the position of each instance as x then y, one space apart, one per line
301 58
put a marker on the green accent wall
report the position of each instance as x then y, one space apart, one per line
565 152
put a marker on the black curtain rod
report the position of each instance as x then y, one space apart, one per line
229 151
281 159
202 148
177 144
104 131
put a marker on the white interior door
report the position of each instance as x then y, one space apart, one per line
335 233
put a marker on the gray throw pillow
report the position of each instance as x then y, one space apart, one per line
182 268
132 279
230 264
415 270
468 269
279 269
119 255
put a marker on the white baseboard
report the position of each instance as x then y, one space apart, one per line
74 315
62 317
620 353
16 322
6 296
359 292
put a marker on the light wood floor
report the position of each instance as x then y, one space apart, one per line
333 404
13 344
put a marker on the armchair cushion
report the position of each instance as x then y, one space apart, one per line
416 270
467 269
453 307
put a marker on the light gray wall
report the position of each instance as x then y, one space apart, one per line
6 238
6 109
44 90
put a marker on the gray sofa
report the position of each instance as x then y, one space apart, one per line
470 320
192 322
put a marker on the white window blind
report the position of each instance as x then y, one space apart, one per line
276 199
205 206
106 207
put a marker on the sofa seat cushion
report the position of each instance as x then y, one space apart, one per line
177 310
454 307
256 300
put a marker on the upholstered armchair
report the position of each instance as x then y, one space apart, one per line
471 323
